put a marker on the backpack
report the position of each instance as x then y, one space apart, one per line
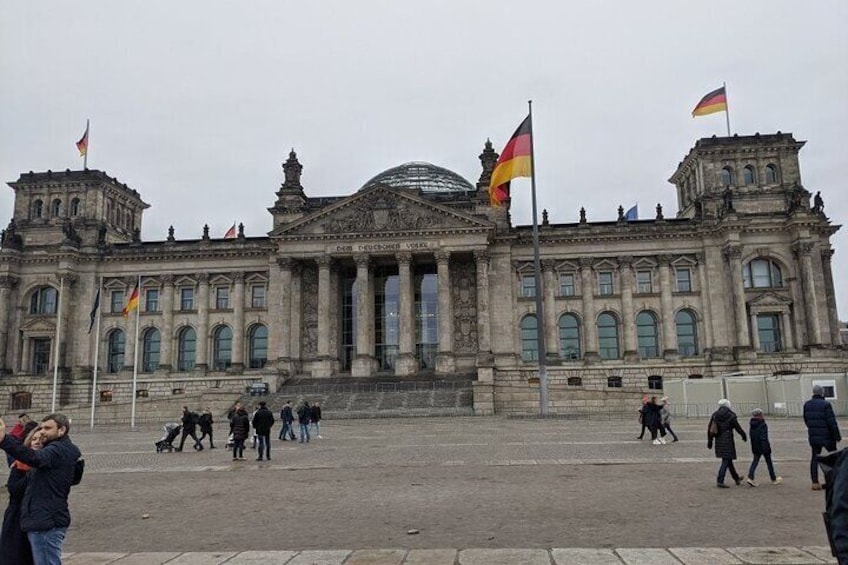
713 429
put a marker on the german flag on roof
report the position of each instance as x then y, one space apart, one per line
715 101
514 162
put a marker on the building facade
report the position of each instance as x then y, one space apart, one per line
416 276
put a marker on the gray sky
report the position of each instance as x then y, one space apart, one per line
196 103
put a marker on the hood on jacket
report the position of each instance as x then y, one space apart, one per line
723 414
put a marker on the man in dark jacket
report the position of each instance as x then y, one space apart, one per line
205 423
304 416
835 466
287 417
725 447
822 430
263 420
44 511
189 421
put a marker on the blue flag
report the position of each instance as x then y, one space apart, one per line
632 214
94 310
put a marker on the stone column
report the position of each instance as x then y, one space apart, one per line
631 346
7 283
802 250
830 295
406 363
669 340
706 304
733 256
587 291
484 336
549 314
444 359
295 314
202 360
324 366
786 322
238 323
755 334
363 362
166 361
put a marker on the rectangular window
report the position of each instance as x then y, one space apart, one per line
257 297
40 355
566 284
828 389
116 301
605 283
222 298
643 282
528 286
768 330
684 280
151 300
186 299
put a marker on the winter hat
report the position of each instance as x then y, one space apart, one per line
756 412
817 389
724 402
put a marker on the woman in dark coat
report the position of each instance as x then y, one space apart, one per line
725 447
241 430
14 545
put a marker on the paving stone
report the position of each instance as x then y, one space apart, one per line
504 557
430 557
98 558
335 557
376 557
585 556
773 555
261 558
820 551
202 558
646 556
703 556
151 558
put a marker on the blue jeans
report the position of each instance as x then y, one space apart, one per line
753 468
814 463
727 465
288 428
264 445
317 426
304 432
47 546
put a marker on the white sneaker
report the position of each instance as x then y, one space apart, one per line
662 440
320 437
656 442
777 481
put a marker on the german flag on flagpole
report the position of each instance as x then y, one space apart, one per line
515 161
132 303
715 101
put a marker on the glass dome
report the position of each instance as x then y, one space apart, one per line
422 176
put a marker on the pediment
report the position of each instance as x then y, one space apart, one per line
382 211
39 324
769 299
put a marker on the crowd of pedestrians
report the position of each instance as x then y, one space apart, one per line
656 418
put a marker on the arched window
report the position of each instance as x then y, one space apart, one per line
186 347
56 208
749 175
222 347
37 209
45 300
608 336
687 333
728 178
258 347
771 174
762 273
569 336
115 354
75 207
150 352
529 338
646 331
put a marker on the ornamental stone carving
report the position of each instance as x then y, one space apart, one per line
385 211
404 257
8 281
202 278
442 256
481 255
586 262
664 259
731 252
625 260
238 277
324 260
548 265
361 260
309 301
284 263
167 279
827 254
801 248
464 297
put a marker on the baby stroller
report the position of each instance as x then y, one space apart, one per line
165 443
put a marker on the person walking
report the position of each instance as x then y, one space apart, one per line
205 423
643 411
240 426
654 421
304 415
720 431
760 447
263 421
189 421
315 418
45 515
665 418
287 418
822 430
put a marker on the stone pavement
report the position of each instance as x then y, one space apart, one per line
556 556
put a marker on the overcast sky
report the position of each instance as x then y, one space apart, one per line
196 104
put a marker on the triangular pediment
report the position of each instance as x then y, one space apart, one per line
382 211
769 299
39 324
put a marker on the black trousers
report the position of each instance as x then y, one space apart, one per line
203 436
185 435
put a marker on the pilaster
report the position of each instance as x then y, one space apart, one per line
363 362
484 339
167 335
587 289
625 265
406 363
238 323
202 361
445 362
802 250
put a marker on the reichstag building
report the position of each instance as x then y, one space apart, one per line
416 276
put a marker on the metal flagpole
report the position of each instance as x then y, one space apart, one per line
135 352
96 349
87 143
726 107
540 326
58 333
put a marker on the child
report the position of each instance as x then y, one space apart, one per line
760 446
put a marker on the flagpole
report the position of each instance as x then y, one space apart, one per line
87 140
58 333
135 352
540 326
96 349
726 107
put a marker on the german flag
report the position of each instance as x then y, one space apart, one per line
715 101
132 303
82 144
514 162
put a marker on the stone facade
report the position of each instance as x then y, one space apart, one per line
415 275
